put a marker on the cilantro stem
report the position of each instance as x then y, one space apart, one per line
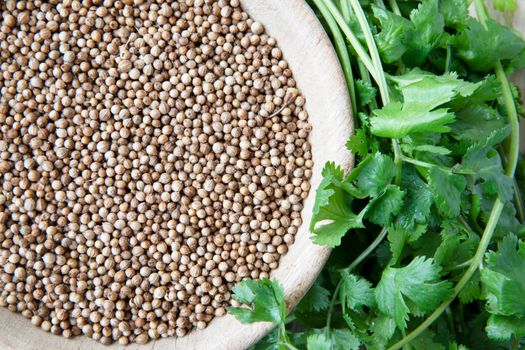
519 203
430 165
327 5
448 61
350 268
342 52
461 266
394 7
380 79
367 251
515 343
332 305
372 48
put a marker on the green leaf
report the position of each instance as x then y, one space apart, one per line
382 328
499 43
504 278
422 92
397 236
265 300
418 199
476 122
393 36
316 299
455 13
505 327
485 162
415 288
426 340
471 291
429 26
382 209
366 93
427 91
334 220
331 173
332 215
358 143
318 342
447 189
343 339
376 175
355 292
396 121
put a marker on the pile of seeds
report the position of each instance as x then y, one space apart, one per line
152 154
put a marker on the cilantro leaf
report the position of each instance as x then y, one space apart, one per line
318 342
499 43
428 27
397 121
393 36
422 93
504 280
334 220
418 199
447 189
455 13
265 300
366 93
343 339
355 291
332 215
376 175
415 288
316 299
485 162
330 173
382 209
358 143
504 327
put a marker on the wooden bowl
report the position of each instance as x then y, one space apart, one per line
316 68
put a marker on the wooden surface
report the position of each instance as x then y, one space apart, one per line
317 71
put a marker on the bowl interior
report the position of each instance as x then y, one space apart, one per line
317 71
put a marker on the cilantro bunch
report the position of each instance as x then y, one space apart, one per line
428 228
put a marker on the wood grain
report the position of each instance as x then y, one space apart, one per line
316 68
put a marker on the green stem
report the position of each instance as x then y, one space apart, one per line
519 203
380 79
515 343
350 268
332 305
461 266
345 9
372 48
512 113
367 251
448 61
342 52
394 7
361 53
430 165
481 12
